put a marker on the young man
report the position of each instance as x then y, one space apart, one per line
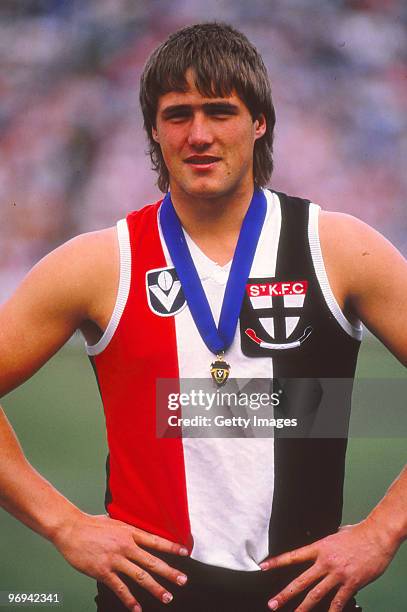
197 520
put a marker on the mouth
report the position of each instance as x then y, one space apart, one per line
202 161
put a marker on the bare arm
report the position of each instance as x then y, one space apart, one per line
369 279
73 286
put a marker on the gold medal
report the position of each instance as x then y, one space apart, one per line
220 370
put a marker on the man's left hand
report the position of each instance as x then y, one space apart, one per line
343 562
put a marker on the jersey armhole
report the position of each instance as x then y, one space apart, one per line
353 329
122 292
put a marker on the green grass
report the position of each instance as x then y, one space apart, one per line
59 419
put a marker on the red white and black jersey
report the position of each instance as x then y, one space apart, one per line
231 501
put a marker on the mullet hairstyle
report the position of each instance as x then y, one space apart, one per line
222 60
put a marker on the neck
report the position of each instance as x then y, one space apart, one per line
213 223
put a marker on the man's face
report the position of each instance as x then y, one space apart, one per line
207 143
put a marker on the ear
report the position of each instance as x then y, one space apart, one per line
260 127
154 134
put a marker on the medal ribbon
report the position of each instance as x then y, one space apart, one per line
216 339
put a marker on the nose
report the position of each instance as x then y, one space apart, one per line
200 135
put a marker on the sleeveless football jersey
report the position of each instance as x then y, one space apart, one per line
231 501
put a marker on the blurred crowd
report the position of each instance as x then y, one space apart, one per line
72 148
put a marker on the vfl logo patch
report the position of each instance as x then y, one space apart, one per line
271 316
164 292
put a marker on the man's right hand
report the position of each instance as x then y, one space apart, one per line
103 548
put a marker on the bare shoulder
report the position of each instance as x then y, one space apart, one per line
353 249
73 287
88 266
79 268
340 229
90 249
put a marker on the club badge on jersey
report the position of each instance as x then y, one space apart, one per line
271 316
164 292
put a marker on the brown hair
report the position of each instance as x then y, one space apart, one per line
223 60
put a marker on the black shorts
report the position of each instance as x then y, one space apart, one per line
213 589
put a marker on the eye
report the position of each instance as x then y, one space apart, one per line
221 111
178 116
219 115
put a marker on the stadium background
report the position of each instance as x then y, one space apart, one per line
72 159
